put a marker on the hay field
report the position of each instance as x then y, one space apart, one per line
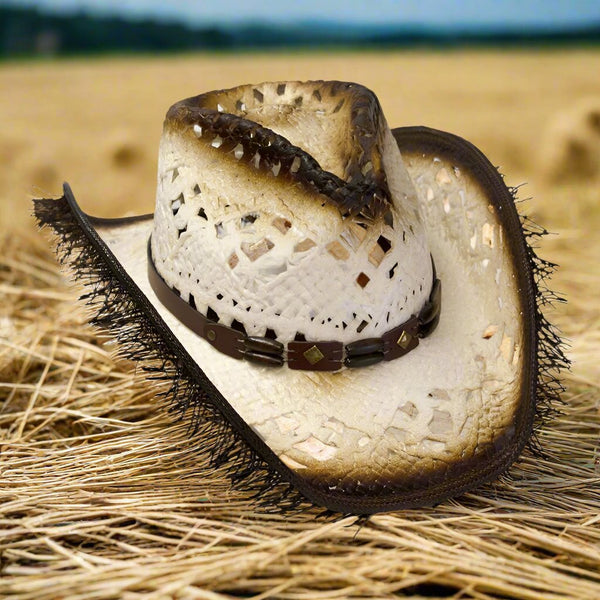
102 495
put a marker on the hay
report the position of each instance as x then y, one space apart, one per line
103 496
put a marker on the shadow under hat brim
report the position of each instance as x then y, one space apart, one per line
474 412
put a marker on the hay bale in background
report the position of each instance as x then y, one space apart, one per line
123 149
570 147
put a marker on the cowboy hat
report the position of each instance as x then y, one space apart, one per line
349 312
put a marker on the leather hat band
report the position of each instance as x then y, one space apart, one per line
302 354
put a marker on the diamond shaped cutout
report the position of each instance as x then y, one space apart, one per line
338 251
255 250
304 245
177 204
363 279
313 355
376 255
353 236
384 244
283 225
233 260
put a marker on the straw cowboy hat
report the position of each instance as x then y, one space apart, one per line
346 311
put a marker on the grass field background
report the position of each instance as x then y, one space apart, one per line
102 496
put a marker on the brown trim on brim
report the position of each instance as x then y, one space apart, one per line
119 222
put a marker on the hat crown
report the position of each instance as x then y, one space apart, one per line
285 209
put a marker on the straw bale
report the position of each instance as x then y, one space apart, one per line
122 149
570 146
103 495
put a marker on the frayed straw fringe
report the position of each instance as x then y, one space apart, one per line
551 358
113 309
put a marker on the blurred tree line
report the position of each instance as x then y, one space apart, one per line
31 32
28 31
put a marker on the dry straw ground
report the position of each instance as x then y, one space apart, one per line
103 496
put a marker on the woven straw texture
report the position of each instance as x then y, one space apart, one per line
103 495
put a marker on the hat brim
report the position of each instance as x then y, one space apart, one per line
450 415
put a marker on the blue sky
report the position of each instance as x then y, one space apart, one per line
520 13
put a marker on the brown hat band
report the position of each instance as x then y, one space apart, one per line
302 355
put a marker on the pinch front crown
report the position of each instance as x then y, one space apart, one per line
284 210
